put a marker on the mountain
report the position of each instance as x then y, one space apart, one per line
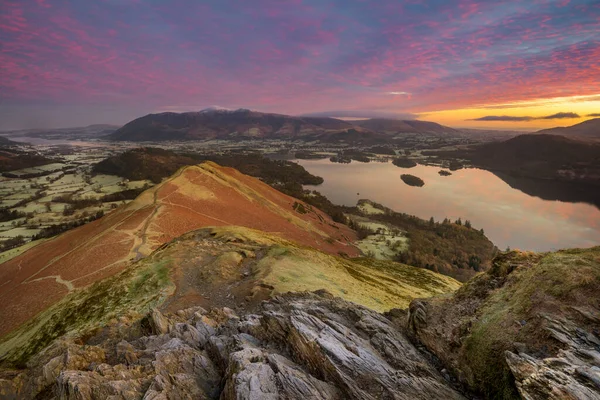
226 124
195 197
12 159
539 156
586 129
392 126
246 124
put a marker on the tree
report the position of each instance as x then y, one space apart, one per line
431 221
468 223
458 221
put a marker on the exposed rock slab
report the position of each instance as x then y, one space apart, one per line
529 327
297 346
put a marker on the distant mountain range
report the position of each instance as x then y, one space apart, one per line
586 129
245 124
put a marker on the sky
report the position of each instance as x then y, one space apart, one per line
502 64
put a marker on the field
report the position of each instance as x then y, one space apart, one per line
386 241
45 200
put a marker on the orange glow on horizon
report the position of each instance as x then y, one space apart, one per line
584 106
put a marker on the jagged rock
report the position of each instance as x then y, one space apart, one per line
10 387
574 373
298 346
82 385
528 327
126 353
188 334
333 340
298 384
184 372
417 315
256 381
158 322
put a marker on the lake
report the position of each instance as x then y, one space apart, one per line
509 217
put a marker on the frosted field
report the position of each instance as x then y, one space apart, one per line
32 207
8 203
8 187
38 170
20 231
106 180
70 176
23 194
67 184
7 225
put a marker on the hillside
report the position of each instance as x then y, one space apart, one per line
445 247
586 129
224 124
155 164
231 267
539 156
221 313
528 326
195 197
6 142
393 126
12 159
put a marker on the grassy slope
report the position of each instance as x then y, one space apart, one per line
218 256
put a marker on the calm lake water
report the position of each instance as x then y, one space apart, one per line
508 216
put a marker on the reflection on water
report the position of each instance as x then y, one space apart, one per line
553 190
508 216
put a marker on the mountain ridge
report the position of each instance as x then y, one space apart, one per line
195 197
585 129
243 123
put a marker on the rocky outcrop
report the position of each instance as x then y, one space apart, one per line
529 327
296 346
573 373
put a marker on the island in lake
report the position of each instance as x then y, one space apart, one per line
404 162
443 172
412 180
